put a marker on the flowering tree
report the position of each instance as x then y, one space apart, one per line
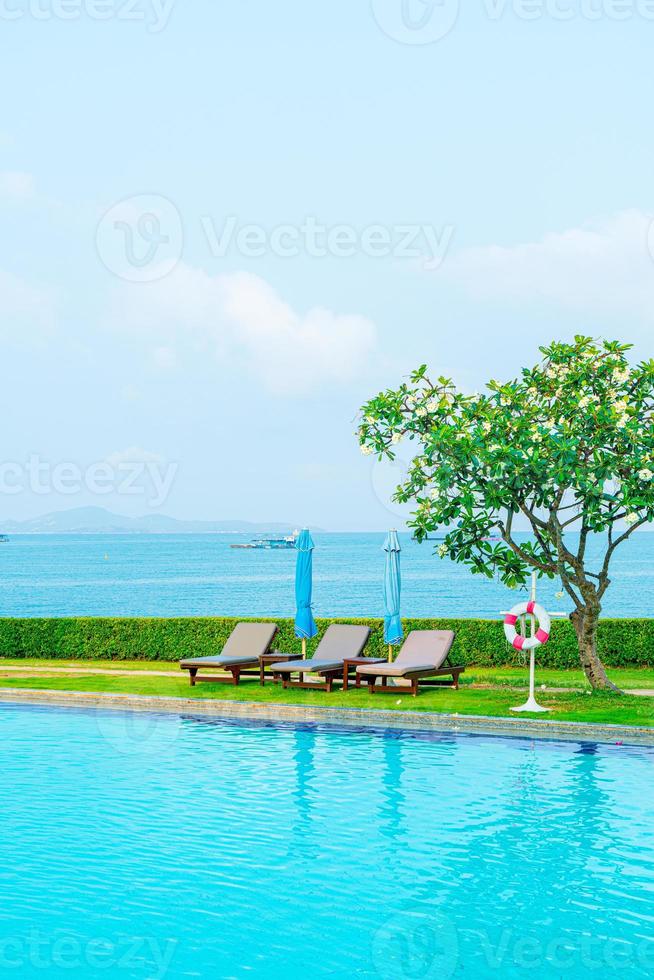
569 446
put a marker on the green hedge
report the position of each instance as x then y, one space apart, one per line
479 642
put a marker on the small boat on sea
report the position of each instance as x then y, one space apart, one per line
270 544
4 539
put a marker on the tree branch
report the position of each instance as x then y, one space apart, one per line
523 555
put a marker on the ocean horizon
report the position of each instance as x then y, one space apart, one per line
140 574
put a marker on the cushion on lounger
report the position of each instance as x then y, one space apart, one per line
392 670
422 650
307 666
249 640
426 648
219 661
341 641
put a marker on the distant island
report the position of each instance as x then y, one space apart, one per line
97 520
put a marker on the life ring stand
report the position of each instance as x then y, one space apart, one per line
541 635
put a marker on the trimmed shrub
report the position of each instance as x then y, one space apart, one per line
479 642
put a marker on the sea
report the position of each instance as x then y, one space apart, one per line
202 575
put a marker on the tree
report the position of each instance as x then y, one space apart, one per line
569 446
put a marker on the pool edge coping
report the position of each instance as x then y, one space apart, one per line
373 718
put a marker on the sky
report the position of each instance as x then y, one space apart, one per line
225 226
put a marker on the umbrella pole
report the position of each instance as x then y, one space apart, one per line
390 653
304 649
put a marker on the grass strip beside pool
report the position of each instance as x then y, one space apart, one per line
628 678
565 706
632 678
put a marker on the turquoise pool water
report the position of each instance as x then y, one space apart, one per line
149 846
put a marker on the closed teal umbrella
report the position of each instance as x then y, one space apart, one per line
392 587
305 626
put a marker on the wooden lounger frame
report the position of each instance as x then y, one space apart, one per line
329 677
235 674
415 676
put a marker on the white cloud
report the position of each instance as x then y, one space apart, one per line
604 268
16 187
26 311
130 393
164 358
240 317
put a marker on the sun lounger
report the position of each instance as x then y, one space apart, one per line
424 654
339 643
239 656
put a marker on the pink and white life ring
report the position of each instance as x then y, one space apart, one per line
541 635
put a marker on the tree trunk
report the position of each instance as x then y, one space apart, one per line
585 622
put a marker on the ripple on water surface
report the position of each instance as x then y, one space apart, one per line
148 846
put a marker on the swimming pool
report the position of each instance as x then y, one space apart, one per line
154 846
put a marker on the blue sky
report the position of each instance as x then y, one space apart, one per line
514 155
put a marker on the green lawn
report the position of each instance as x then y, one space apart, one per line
629 677
100 664
625 678
568 706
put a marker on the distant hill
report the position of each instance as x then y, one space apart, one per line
97 520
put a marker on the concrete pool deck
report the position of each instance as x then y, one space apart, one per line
372 718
